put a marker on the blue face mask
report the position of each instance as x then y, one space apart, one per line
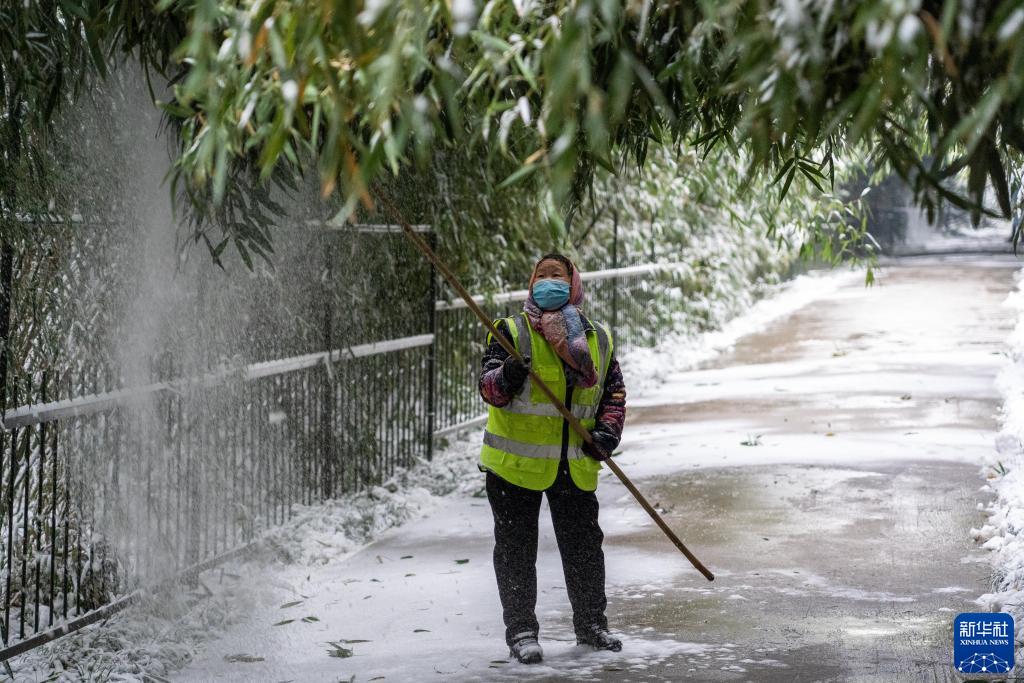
550 294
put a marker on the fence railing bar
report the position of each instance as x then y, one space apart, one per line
52 218
96 403
521 294
626 271
363 228
280 367
465 424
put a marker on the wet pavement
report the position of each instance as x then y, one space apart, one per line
850 562
825 573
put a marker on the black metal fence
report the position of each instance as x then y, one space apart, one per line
109 490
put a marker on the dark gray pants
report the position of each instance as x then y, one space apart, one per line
574 516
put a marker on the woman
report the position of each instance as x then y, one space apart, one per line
529 449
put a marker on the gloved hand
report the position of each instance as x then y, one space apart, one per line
603 444
515 373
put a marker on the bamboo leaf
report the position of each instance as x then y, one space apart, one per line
519 174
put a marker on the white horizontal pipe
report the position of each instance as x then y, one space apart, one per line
279 367
54 218
458 427
364 227
90 405
328 224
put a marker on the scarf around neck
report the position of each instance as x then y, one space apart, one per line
565 330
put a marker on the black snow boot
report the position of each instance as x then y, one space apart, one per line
525 648
599 638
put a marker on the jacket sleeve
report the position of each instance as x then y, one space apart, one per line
611 410
494 389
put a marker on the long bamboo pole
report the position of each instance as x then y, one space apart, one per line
574 423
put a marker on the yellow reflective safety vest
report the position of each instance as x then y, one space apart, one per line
523 440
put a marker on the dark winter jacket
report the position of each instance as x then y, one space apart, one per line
611 410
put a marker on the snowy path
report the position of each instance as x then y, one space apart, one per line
839 534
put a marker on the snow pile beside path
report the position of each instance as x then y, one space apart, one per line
324 532
154 637
1004 472
644 368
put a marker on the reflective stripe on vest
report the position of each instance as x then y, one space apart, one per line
549 410
522 404
527 450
